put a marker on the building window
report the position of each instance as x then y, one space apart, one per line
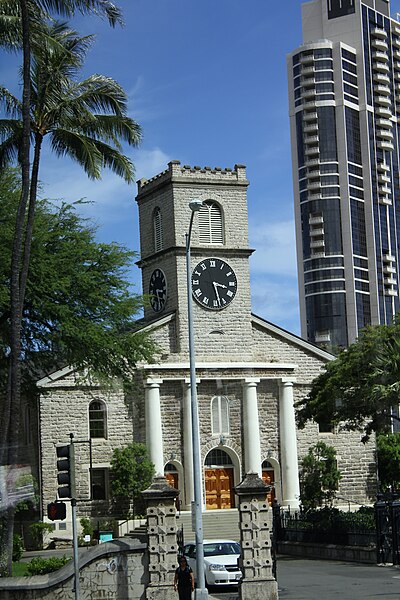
158 233
99 484
210 224
97 419
220 415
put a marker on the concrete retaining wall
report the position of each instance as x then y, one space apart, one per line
115 570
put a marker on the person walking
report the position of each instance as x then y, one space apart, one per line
184 580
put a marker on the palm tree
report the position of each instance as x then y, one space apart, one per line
25 19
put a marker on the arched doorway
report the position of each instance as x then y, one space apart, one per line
268 476
171 475
218 474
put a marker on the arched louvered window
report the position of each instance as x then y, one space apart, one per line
220 415
210 224
97 419
158 232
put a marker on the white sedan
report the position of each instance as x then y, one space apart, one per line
220 561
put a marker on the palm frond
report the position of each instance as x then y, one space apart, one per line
102 8
10 144
10 103
78 147
100 94
112 128
92 154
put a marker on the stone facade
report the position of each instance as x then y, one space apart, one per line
250 373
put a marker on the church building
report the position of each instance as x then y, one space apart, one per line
250 373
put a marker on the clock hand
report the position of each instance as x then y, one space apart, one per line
215 284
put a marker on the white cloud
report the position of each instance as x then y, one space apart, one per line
276 301
275 248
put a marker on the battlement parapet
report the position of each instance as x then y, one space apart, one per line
176 171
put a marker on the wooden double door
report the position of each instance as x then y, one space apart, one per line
219 488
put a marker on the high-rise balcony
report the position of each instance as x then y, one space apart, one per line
314 196
382 100
390 258
310 139
395 28
383 111
310 116
390 292
309 104
379 33
384 123
306 58
382 178
396 41
307 81
308 93
380 55
316 220
396 54
381 78
312 162
312 151
307 70
314 185
379 44
383 90
389 280
317 244
385 200
381 66
311 127
385 145
383 167
397 74
389 270
384 189
385 134
316 232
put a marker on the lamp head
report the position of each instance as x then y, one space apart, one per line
195 205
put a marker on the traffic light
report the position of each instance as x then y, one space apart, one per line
65 471
57 511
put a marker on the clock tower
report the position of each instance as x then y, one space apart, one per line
219 257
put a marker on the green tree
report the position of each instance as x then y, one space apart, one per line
319 476
388 446
79 308
131 473
358 389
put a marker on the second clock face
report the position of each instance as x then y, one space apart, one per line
158 290
214 283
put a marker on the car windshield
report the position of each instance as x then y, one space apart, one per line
216 549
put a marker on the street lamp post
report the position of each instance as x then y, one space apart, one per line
201 592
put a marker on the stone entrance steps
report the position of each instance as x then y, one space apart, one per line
223 524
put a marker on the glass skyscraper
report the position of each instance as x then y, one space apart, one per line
344 90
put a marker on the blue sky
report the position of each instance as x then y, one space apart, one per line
207 81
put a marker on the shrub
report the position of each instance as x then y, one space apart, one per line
41 566
37 530
18 547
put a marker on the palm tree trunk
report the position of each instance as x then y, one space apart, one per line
9 447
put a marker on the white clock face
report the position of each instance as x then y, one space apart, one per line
158 290
214 283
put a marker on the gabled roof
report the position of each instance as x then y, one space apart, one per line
291 338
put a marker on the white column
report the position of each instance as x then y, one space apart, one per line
288 444
251 428
154 439
188 492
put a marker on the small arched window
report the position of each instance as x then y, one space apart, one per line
97 419
157 230
220 415
210 223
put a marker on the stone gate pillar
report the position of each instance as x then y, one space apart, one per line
161 538
255 522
